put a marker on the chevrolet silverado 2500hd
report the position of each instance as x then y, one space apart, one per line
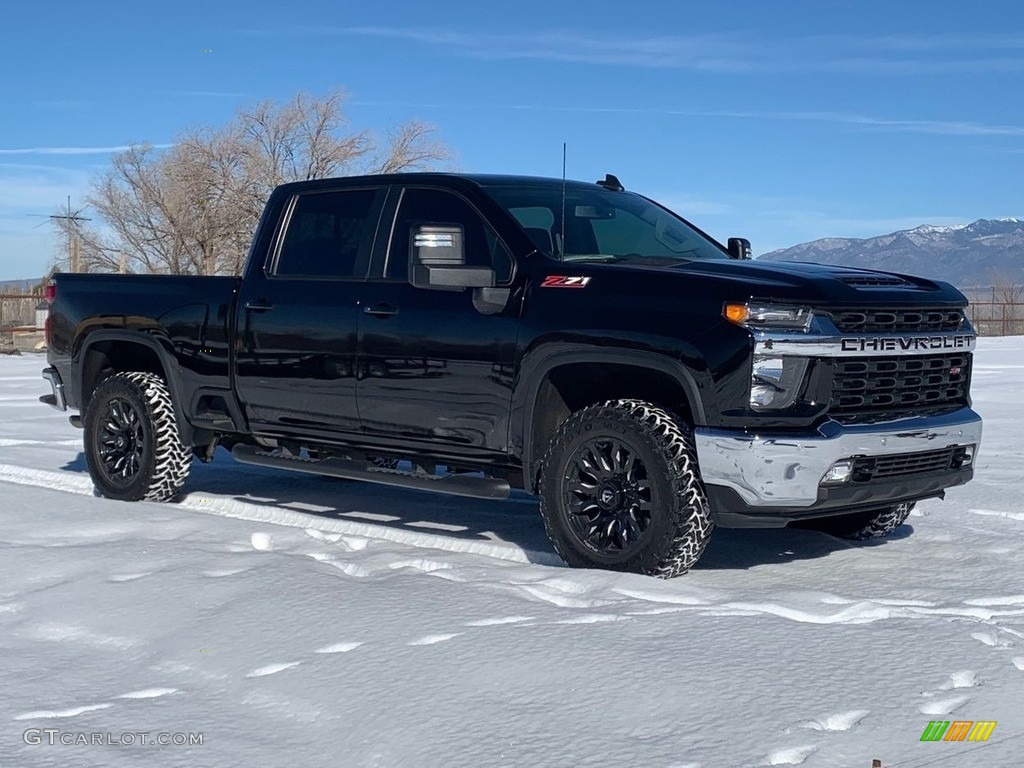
469 334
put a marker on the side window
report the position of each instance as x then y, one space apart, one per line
329 235
436 206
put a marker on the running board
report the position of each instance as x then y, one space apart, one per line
455 485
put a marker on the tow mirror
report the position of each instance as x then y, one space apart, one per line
439 260
739 248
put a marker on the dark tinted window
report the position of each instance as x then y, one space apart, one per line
435 206
329 235
602 225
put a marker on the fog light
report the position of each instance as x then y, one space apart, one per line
840 472
964 456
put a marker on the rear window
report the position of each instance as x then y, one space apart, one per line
329 235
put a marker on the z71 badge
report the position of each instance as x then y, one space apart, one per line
561 281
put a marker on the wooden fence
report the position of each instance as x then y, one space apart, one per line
997 318
20 329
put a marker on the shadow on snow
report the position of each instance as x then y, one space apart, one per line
515 521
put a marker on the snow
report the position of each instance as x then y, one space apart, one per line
935 229
302 621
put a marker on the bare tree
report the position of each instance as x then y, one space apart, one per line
192 209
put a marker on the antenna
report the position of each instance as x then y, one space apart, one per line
72 218
561 247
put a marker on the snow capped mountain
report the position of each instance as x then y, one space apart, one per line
985 252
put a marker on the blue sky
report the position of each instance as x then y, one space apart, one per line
781 121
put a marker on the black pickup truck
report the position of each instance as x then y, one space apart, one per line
469 334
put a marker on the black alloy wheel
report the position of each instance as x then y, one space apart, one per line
121 442
608 497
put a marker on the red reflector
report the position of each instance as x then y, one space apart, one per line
50 292
46 330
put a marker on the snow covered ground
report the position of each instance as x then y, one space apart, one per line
301 621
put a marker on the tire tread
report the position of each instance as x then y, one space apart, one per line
692 524
172 459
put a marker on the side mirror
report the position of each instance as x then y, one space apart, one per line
438 260
739 248
460 277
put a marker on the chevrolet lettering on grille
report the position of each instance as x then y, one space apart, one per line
906 344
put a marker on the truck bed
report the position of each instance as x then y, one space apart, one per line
187 317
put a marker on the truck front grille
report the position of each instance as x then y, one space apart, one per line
868 468
872 389
937 319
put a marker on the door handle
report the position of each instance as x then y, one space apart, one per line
259 306
381 310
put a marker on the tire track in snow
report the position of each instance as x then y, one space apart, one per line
255 513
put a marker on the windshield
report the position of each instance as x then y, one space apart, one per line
602 225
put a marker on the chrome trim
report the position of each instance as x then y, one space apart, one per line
786 470
52 376
824 339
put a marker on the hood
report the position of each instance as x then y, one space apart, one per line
807 282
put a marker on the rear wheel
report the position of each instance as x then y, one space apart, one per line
861 526
132 447
620 489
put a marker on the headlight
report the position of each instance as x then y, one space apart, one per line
775 382
768 316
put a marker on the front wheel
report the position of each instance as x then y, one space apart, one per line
620 489
132 447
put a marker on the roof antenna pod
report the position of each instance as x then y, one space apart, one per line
611 182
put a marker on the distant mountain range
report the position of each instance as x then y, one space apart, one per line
987 252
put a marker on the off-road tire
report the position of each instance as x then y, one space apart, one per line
163 460
862 526
679 524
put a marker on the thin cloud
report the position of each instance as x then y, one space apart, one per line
871 122
74 150
944 127
735 53
210 94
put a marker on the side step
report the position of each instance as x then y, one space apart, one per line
456 485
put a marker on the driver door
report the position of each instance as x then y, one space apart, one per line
434 368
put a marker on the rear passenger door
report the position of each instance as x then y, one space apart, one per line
434 367
298 316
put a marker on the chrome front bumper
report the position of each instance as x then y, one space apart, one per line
56 400
787 470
